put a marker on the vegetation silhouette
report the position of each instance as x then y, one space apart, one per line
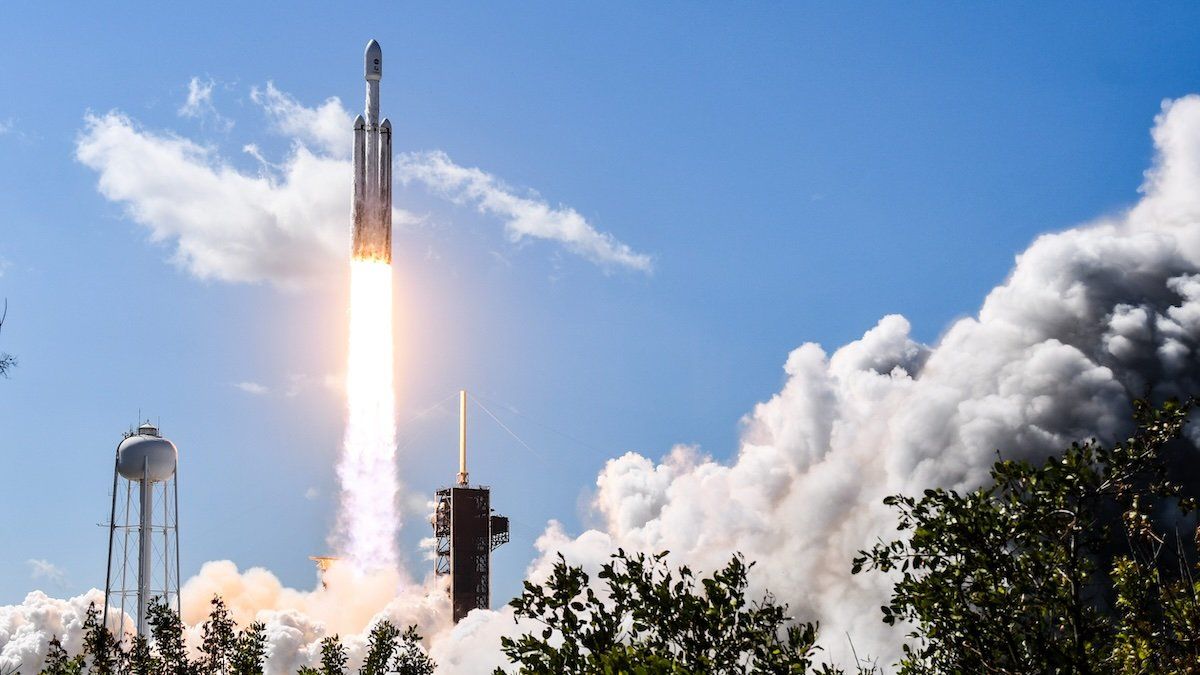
1084 564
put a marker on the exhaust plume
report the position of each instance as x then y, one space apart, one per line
369 520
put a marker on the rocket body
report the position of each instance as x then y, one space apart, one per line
372 236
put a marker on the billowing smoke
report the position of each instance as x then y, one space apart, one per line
1089 318
26 629
345 604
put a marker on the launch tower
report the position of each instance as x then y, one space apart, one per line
467 532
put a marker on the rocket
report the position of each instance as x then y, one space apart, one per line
372 238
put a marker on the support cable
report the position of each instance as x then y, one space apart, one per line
421 414
505 427
547 427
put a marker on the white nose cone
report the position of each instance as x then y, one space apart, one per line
373 61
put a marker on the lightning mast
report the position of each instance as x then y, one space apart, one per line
466 532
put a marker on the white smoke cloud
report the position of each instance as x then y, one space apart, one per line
1088 318
287 223
26 629
347 604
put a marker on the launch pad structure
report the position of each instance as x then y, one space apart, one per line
466 532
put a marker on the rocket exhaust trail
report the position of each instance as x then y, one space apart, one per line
368 521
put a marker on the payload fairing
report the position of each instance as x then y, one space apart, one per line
372 238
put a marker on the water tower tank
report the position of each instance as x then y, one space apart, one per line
147 451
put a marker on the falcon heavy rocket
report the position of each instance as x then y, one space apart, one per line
372 238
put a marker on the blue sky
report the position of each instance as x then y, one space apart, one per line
796 171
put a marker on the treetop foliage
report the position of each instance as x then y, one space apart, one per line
651 619
1083 564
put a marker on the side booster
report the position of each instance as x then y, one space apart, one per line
372 239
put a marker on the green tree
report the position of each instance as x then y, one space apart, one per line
381 644
333 658
219 641
391 652
250 650
166 632
138 659
98 643
1158 628
410 657
652 619
1066 567
7 361
59 663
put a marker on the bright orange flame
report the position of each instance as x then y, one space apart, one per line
369 520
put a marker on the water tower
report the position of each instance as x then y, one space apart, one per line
143 534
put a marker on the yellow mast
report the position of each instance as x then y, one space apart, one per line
462 437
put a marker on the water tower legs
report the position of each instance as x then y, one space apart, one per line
145 539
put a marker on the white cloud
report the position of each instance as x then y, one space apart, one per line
226 225
44 570
524 216
297 384
288 223
11 129
327 127
199 98
199 104
312 493
253 388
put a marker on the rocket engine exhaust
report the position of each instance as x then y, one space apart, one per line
368 520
